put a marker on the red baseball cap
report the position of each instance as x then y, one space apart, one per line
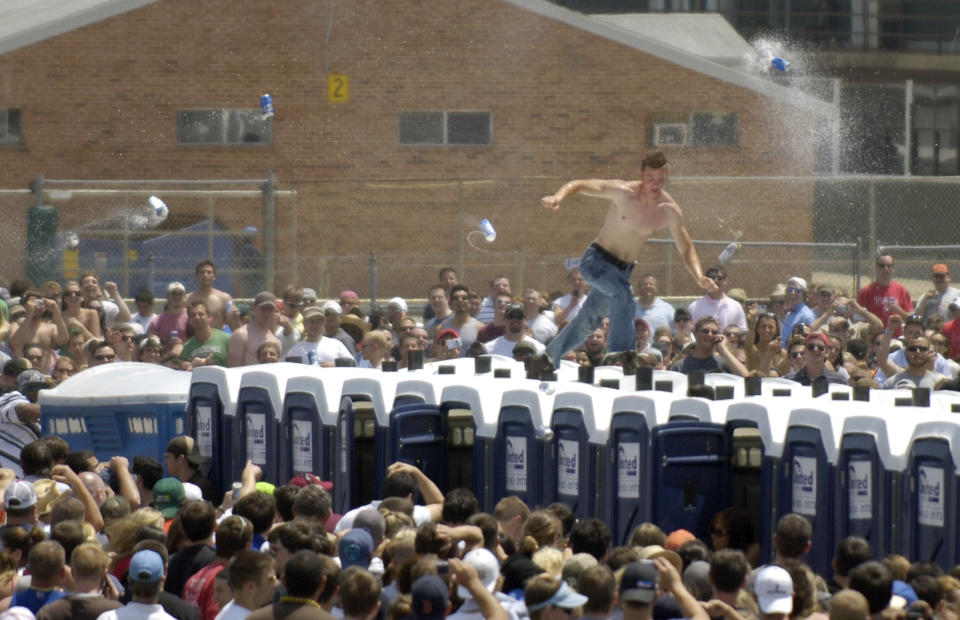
822 337
304 480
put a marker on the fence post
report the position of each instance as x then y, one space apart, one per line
269 229
857 264
151 266
373 279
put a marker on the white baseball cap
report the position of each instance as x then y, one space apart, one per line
774 589
488 569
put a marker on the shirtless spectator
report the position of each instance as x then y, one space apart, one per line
36 328
246 340
219 304
122 340
173 318
115 310
76 316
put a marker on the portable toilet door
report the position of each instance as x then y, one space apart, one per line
629 460
691 456
417 431
211 415
472 406
310 407
522 442
931 492
581 426
757 427
808 474
260 410
371 395
871 467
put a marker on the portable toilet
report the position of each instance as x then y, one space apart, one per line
466 366
122 409
473 410
780 387
872 462
808 474
691 456
260 413
310 407
362 421
757 427
577 455
670 381
522 441
630 465
931 491
211 417
726 386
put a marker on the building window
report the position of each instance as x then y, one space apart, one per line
442 128
714 129
224 127
11 130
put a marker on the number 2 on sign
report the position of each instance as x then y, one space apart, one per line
338 89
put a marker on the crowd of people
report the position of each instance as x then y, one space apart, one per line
119 540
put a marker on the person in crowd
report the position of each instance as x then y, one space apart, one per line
221 310
717 304
885 296
209 346
316 348
170 326
565 308
653 309
815 362
246 340
798 312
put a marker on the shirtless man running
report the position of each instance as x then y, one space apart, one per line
219 304
637 210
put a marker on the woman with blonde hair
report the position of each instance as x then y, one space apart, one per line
541 530
125 533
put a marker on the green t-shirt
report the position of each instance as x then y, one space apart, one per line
218 344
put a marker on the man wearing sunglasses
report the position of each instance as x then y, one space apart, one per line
916 374
937 300
709 352
885 296
815 362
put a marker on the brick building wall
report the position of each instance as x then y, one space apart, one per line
101 102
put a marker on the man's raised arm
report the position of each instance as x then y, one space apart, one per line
685 246
591 187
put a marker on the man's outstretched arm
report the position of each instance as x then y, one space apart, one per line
686 248
591 187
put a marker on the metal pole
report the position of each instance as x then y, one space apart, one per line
151 266
373 279
857 258
461 234
907 123
269 230
872 217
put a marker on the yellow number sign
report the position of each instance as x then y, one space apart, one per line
338 89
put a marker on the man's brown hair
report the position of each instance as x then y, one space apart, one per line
655 160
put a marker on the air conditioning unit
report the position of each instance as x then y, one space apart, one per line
669 134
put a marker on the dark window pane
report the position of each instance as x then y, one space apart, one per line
468 128
11 131
421 128
716 130
200 127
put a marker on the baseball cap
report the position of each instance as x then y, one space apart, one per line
184 445
515 311
678 538
355 548
332 306
397 303
564 597
487 567
639 582
311 311
822 337
430 597
264 298
19 495
15 366
940 268
774 589
176 287
350 295
826 288
797 282
452 333
168 494
303 480
146 566
309 296
577 563
737 294
31 380
192 491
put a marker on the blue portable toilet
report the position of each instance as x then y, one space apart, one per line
211 417
931 491
522 441
807 479
123 409
577 455
260 412
310 407
366 398
691 456
630 466
473 411
757 428
871 468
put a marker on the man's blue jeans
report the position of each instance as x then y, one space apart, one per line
610 294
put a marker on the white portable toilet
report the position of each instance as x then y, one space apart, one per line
212 418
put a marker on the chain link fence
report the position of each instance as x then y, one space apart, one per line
383 238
